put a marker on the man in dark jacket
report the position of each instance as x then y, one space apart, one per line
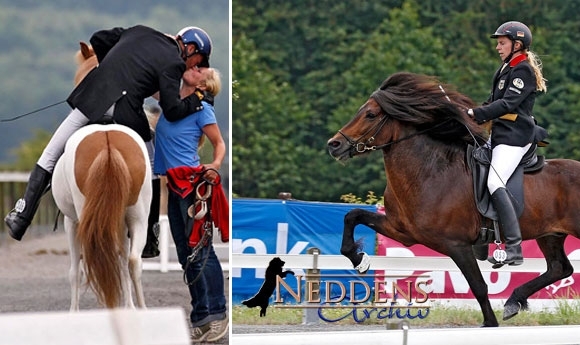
134 63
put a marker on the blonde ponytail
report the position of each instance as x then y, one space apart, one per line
536 64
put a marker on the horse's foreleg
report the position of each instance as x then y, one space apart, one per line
74 275
559 267
465 260
349 247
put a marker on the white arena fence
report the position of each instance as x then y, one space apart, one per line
153 326
391 263
525 335
545 335
167 260
339 262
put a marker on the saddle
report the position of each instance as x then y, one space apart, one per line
105 120
479 162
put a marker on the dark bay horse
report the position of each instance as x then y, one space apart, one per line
423 131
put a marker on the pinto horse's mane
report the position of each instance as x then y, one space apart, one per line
422 101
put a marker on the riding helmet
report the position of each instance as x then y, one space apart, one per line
202 41
515 31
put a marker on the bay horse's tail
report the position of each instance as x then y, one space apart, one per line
101 230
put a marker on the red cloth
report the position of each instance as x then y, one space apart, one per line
183 180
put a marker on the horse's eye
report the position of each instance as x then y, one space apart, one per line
371 115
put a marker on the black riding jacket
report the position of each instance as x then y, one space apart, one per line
134 63
510 104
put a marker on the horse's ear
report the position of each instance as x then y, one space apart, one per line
86 50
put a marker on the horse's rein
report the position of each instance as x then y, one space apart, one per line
32 112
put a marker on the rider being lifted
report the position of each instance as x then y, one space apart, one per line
513 129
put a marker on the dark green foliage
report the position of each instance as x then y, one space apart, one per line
303 68
38 41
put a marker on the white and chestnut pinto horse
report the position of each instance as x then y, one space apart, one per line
102 185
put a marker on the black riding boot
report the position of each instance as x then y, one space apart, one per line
151 249
510 227
21 216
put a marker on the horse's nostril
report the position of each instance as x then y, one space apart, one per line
334 143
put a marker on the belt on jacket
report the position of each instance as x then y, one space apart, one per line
509 117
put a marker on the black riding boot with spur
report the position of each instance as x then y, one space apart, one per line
21 216
509 226
151 249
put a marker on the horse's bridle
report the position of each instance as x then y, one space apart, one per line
361 147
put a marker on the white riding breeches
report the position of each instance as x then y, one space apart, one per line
52 152
150 145
55 148
504 161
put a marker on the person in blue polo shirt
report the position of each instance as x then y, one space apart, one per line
176 155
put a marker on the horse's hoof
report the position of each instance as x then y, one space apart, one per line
510 310
365 263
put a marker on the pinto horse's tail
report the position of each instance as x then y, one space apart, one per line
101 230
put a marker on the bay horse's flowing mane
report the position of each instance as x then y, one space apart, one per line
426 103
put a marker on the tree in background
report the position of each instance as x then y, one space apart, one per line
39 40
313 63
29 151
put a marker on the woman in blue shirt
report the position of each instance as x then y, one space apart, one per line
176 146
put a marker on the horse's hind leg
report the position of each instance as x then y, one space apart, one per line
126 277
74 275
559 267
138 231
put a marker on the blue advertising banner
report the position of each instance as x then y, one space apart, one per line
263 226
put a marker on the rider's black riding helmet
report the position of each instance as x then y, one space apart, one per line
515 31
